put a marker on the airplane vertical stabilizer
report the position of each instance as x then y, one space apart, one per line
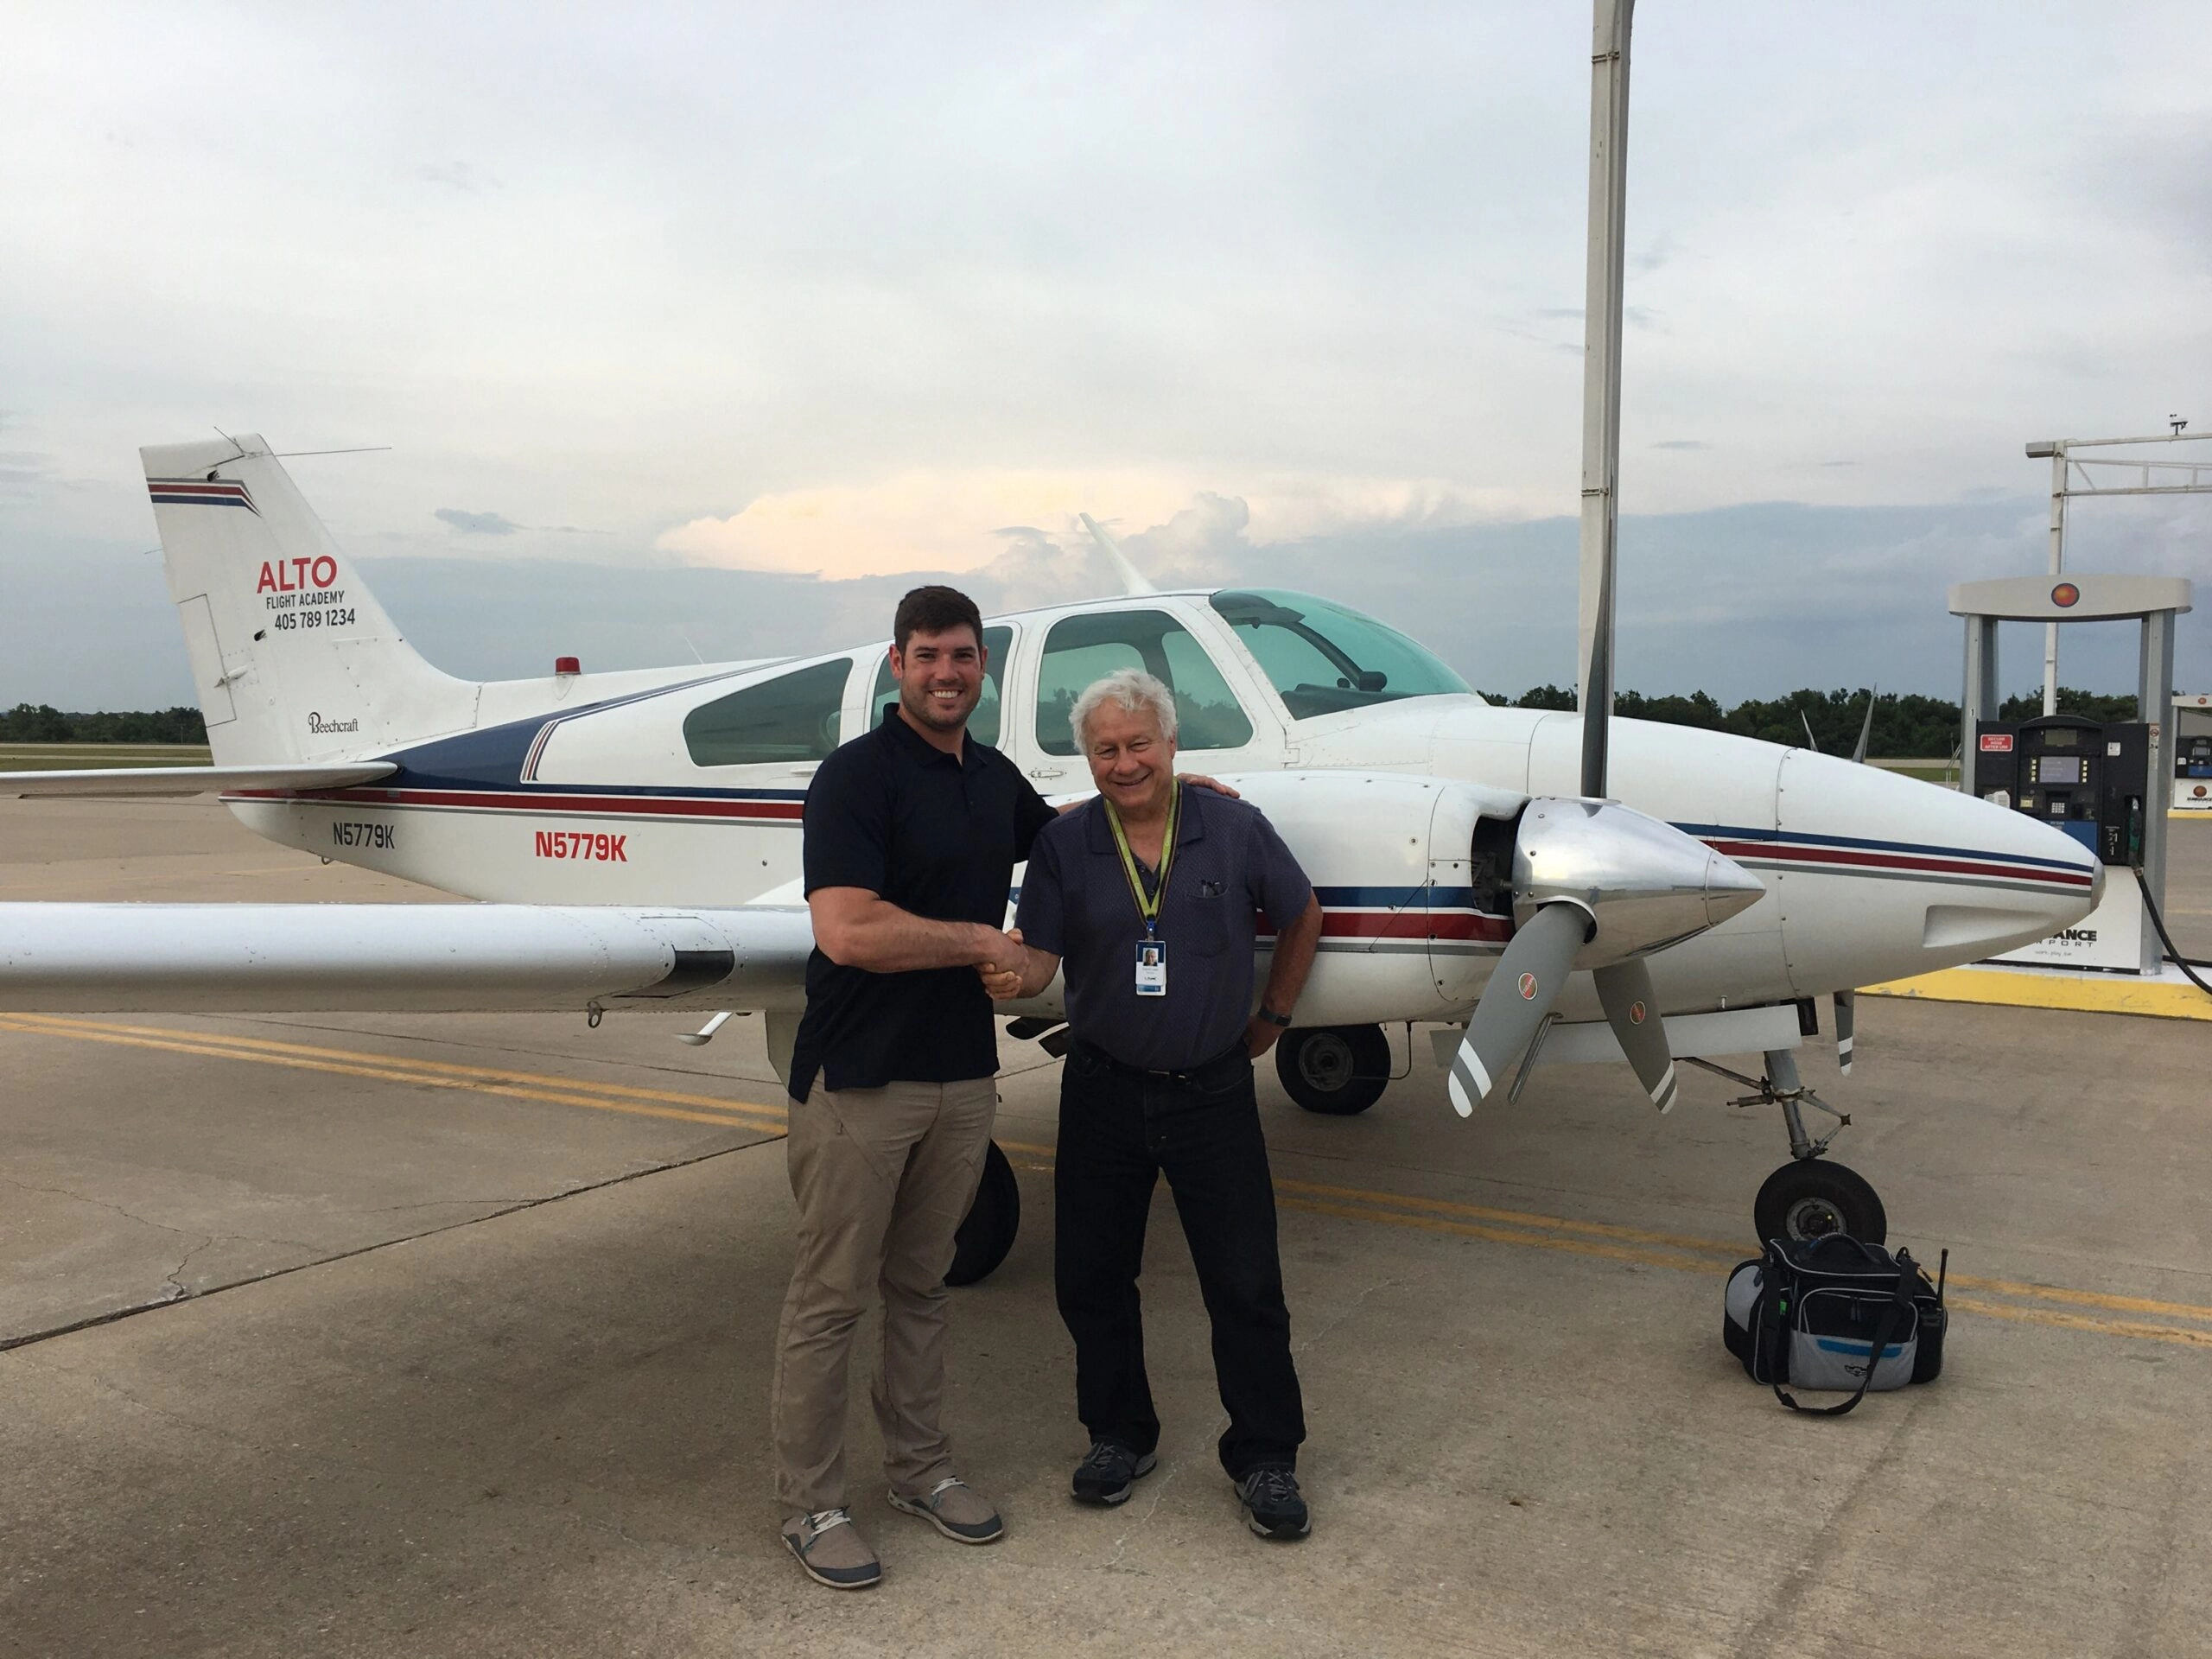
292 657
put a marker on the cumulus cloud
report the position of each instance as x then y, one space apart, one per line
957 522
478 524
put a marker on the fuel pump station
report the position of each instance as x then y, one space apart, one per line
2092 779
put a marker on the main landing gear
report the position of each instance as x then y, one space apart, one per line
1807 1196
992 1219
1337 1070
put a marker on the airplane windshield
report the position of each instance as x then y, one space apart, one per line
1322 658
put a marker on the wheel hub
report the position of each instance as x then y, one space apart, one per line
1813 1217
1325 1062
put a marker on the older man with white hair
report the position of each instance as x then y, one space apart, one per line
1150 895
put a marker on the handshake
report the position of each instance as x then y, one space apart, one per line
1002 968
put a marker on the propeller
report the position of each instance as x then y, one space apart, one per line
1866 728
1596 886
1528 980
1846 1008
1625 993
1522 986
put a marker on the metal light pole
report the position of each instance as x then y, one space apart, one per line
2058 563
1601 378
2196 478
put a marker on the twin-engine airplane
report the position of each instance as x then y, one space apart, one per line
633 838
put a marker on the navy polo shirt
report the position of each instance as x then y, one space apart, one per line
938 835
1230 867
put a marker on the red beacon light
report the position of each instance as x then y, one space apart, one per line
568 665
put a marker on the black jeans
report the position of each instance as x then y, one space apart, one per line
1119 1131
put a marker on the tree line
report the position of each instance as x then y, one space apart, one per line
1907 726
43 723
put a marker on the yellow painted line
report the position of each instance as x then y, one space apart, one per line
388 1074
1521 1227
2178 1335
2107 994
1601 1240
1519 1218
2084 1298
712 1102
1501 1236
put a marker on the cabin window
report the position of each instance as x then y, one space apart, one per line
983 724
793 718
1323 658
1082 649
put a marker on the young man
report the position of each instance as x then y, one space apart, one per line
912 832
1150 894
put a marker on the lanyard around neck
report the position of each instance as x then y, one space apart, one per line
1147 906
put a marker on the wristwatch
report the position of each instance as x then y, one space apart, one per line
1272 1017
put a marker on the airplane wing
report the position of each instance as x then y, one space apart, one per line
108 781
71 958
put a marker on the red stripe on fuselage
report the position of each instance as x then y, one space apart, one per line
662 806
1414 924
1766 849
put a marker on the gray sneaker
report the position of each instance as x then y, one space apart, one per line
1272 1506
956 1511
832 1551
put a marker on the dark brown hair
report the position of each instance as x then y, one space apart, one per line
934 610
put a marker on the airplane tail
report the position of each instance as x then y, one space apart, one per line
292 657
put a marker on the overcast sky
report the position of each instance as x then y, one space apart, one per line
703 329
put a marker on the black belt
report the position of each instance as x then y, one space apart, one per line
1205 1073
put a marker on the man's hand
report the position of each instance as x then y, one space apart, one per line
1259 1035
1213 784
996 952
1004 981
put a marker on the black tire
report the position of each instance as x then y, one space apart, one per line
988 1231
1336 1069
1811 1197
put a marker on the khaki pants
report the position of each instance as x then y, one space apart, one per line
883 1178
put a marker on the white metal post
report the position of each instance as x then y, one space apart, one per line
1601 378
1979 701
2057 564
2154 702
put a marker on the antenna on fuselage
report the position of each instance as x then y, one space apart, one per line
1133 584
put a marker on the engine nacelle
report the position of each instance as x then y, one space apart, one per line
1415 876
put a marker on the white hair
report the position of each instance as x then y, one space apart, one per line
1130 688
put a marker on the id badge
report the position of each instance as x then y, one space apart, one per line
1151 967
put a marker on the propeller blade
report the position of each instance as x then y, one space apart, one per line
1810 738
1625 992
1866 730
1846 1010
1530 974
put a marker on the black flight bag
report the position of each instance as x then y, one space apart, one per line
1834 1314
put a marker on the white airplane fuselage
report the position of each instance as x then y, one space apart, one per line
629 797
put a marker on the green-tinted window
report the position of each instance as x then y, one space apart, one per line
983 724
1322 657
1082 649
793 717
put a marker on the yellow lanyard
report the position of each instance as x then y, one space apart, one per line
1148 908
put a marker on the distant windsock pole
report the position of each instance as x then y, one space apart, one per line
1601 378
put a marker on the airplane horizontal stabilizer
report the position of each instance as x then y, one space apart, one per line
111 781
69 959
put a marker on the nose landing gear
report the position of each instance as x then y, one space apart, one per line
1808 1197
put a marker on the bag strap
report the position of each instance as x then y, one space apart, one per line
1809 1255
1901 1314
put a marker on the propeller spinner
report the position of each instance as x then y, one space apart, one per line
1601 886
